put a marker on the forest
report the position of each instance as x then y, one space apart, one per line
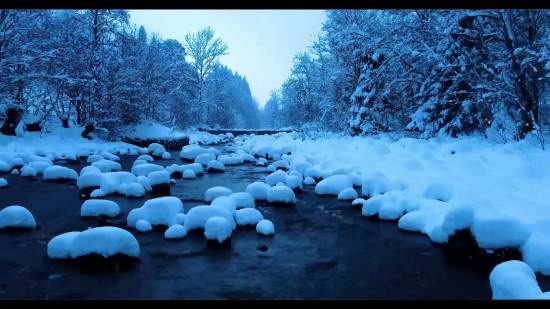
421 74
94 67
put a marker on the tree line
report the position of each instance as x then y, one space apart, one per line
421 73
94 67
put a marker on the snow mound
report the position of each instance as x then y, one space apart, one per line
175 232
215 166
276 177
56 172
308 181
333 185
216 192
205 158
281 194
27 171
514 280
197 216
145 169
248 216
3 182
218 228
258 190
60 246
16 217
95 208
439 191
242 200
265 227
157 211
143 226
106 241
147 158
189 174
348 194
178 219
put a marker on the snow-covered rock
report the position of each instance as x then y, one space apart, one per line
106 241
60 246
214 166
143 226
248 216
242 200
16 217
348 194
258 190
175 232
218 229
95 208
189 174
280 195
265 227
157 211
59 173
197 216
216 192
333 185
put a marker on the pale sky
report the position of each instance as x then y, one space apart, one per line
262 43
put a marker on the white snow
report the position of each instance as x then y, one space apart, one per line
133 189
333 185
514 280
113 166
3 182
179 218
258 190
56 172
439 191
189 174
143 226
198 215
97 193
215 165
27 171
147 158
166 156
280 194
90 169
94 158
348 194
110 182
248 216
157 211
265 227
308 181
60 246
15 171
106 241
156 146
218 228
95 208
16 216
39 166
139 162
145 169
175 231
191 153
216 192
275 177
144 181
242 200
104 167
157 178
205 158
293 181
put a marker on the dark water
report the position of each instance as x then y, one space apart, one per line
322 249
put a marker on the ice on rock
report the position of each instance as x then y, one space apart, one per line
248 216
95 208
157 211
265 227
60 246
175 232
106 241
216 192
218 228
348 194
16 217
189 174
197 216
281 194
333 185
143 226
258 190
